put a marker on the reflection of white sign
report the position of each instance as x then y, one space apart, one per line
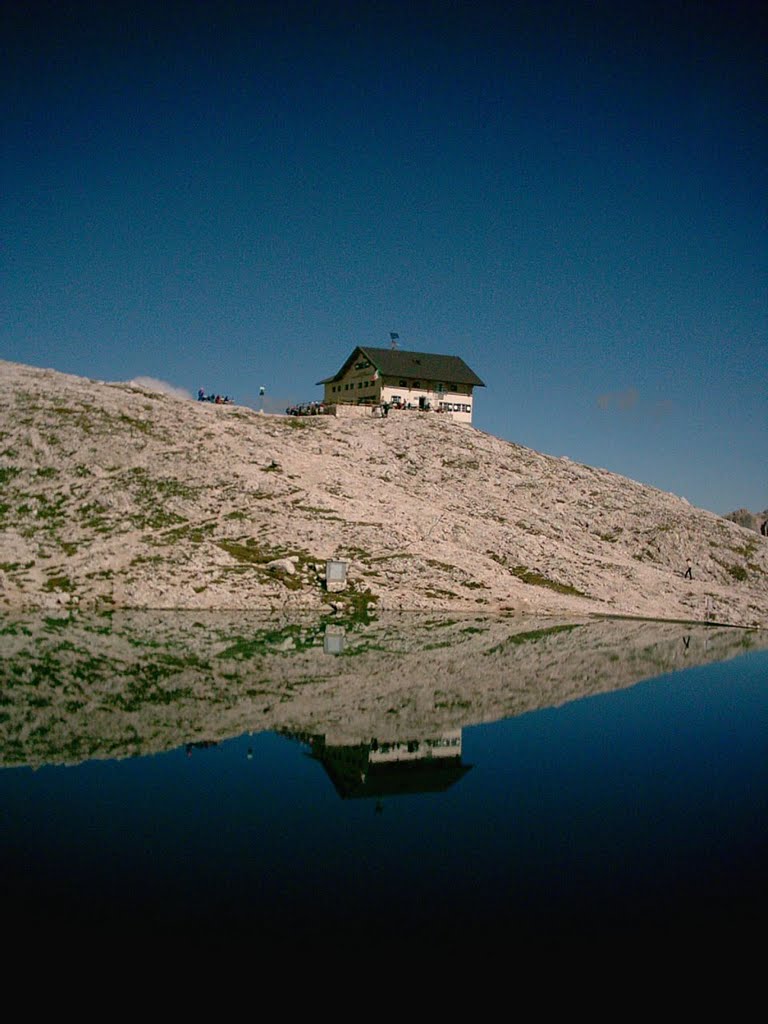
333 641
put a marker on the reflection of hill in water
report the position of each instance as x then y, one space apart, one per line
136 683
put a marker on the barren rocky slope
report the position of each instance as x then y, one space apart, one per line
114 496
756 521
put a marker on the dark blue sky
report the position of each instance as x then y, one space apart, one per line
572 197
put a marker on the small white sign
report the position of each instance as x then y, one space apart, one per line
335 572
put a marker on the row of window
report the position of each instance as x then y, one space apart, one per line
351 387
403 384
398 400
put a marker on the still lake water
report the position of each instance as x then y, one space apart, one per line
430 783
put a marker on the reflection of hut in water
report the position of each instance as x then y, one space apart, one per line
378 769
200 745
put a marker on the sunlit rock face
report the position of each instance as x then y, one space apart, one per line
116 496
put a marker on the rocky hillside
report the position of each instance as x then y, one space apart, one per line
752 520
114 496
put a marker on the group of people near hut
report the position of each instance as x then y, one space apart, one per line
399 403
217 399
306 409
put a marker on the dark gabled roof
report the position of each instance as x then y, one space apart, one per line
434 775
394 362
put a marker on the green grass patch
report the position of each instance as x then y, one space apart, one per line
746 551
535 579
143 426
358 605
531 637
80 418
195 533
359 554
147 488
250 552
59 583
45 512
158 519
317 511
94 516
265 641
440 565
147 560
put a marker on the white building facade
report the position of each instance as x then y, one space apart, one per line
404 380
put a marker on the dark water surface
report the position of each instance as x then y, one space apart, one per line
337 802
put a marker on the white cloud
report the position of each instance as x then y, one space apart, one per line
622 400
152 384
629 401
